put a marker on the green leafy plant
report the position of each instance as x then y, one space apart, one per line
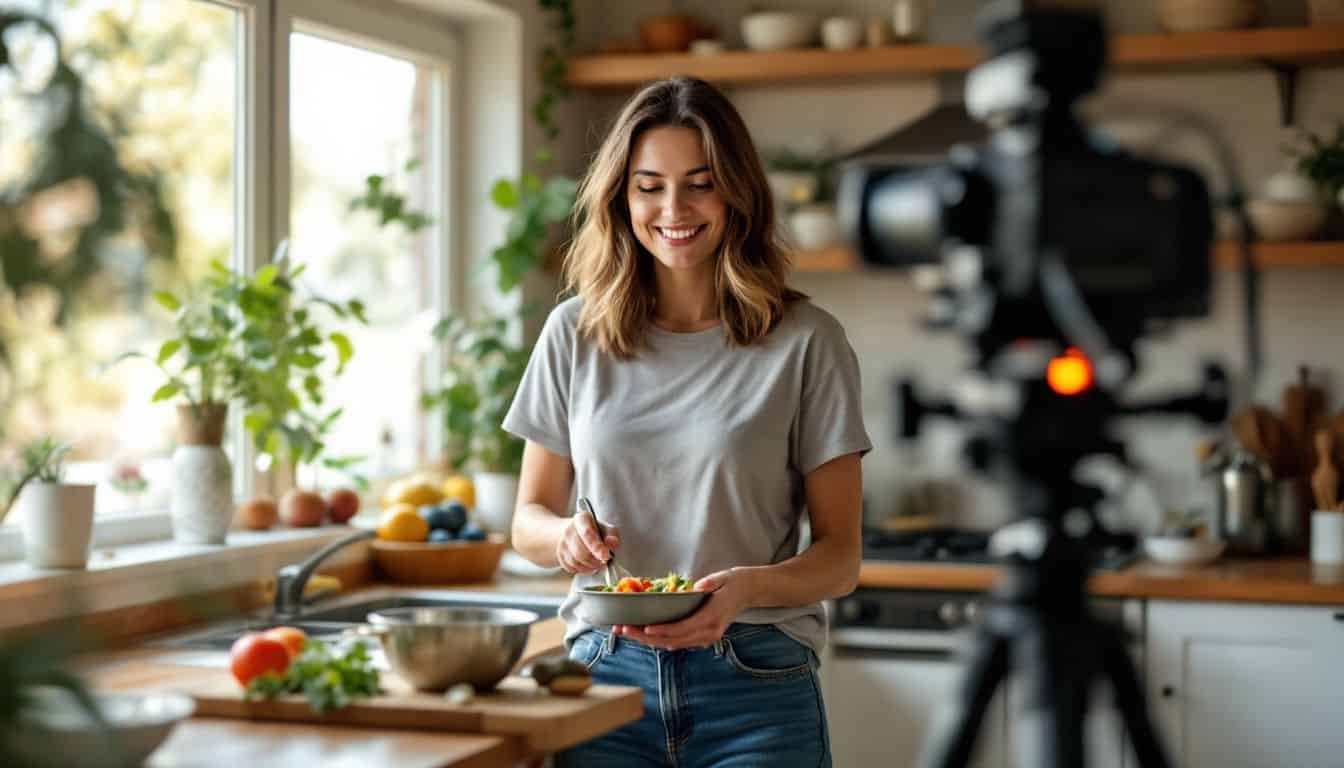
254 339
479 381
389 205
534 205
1322 159
328 680
535 202
819 164
42 460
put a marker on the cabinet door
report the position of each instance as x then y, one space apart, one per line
1248 686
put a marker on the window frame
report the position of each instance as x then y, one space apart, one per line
261 175
427 40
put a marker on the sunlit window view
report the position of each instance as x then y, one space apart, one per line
160 81
356 113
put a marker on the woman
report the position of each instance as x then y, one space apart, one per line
703 407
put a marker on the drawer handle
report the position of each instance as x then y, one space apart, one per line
1168 691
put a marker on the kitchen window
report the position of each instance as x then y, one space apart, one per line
260 120
160 80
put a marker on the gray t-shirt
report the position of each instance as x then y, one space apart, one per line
696 449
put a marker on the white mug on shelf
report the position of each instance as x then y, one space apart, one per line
1327 537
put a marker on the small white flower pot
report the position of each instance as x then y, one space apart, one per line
496 496
57 524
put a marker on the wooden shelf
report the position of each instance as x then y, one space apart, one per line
1268 255
1237 47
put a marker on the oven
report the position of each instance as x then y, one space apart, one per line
892 661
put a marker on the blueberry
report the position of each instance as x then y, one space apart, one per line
439 535
472 532
454 515
426 513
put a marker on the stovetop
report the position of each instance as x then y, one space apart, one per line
955 546
945 544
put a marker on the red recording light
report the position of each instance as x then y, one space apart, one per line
1070 373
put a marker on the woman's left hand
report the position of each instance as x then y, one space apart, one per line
730 597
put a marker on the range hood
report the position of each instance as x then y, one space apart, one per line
929 136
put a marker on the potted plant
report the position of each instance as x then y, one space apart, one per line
57 516
480 378
1322 160
250 339
802 186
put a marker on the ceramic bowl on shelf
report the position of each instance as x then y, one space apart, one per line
1207 15
841 33
1176 550
669 34
1285 220
777 30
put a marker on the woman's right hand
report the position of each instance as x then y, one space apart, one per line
580 548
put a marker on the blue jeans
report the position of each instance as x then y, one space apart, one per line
750 700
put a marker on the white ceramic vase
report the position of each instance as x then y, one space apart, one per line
57 524
496 496
202 493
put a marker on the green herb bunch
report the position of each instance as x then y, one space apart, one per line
328 680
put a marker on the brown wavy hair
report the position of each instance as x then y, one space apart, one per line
607 266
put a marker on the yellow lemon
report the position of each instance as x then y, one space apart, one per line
414 491
459 487
401 523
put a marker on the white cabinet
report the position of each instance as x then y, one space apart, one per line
881 703
1247 686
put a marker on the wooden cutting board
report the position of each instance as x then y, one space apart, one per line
518 707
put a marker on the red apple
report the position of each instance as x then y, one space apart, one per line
302 509
258 514
342 504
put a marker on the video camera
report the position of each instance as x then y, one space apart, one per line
1058 251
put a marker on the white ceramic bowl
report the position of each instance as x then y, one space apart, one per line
1172 550
1285 220
776 30
139 723
841 33
1291 186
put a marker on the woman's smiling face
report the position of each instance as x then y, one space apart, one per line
675 210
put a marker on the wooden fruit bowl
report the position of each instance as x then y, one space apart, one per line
448 562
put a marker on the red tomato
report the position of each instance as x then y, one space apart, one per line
255 654
290 637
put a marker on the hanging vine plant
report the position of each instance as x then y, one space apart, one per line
535 203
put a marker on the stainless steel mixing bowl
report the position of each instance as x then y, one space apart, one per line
436 648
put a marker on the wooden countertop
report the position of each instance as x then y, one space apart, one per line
1258 580
202 742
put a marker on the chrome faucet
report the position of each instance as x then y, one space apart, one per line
290 580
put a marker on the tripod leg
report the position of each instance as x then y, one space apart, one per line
1129 699
952 736
1055 680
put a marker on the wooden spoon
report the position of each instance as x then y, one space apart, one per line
1325 480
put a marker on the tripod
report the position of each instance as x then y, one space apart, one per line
1037 619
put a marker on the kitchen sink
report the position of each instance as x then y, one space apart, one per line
328 619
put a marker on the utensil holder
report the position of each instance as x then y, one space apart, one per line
1327 537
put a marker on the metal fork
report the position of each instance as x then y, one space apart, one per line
586 507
